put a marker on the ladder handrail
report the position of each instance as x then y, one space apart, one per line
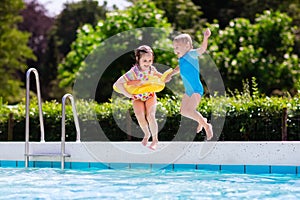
63 125
27 111
63 132
39 103
75 116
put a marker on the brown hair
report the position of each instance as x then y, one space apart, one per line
141 50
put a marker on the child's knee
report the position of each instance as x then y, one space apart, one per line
184 112
151 117
141 119
143 122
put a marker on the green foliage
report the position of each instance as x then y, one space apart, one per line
74 16
169 104
37 22
62 34
13 50
4 111
142 14
226 11
183 14
263 50
249 116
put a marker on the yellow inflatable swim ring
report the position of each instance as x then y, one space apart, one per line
153 84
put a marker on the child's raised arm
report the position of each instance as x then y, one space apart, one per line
203 47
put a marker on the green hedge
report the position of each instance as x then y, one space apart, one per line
247 118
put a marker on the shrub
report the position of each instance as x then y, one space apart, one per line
248 115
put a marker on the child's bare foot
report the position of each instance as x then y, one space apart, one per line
209 132
153 145
200 126
145 141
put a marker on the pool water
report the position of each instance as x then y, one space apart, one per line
51 183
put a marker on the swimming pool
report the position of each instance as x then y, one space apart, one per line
176 170
237 157
51 183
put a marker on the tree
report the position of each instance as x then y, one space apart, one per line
13 50
63 33
74 16
263 50
89 40
38 24
225 11
183 14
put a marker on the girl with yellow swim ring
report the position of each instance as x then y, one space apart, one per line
144 104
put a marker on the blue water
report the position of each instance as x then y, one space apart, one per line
49 183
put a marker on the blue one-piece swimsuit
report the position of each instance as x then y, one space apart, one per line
190 73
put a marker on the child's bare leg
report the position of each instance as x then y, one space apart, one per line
151 110
188 109
200 126
154 142
209 132
139 110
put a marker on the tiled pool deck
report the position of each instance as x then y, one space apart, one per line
237 157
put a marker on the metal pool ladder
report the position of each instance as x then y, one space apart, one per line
62 154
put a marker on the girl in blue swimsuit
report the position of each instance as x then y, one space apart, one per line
190 74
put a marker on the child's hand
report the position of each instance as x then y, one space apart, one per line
207 33
168 78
